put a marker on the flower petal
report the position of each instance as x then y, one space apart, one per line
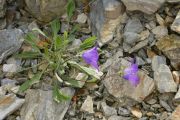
134 79
132 69
91 57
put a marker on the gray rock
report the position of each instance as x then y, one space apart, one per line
176 24
157 61
160 31
139 61
107 110
9 104
7 81
2 8
138 46
123 111
115 117
105 16
146 6
133 25
45 11
177 96
118 87
39 105
11 41
165 105
164 79
130 37
81 18
87 106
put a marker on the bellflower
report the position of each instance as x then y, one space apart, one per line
91 57
131 74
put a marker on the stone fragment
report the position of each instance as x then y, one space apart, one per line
136 112
87 106
138 46
11 41
9 104
123 111
164 79
107 110
160 20
173 1
160 31
39 105
119 87
47 10
144 34
177 96
175 115
81 18
176 24
105 16
176 76
146 6
170 46
157 61
130 37
165 105
115 117
133 25
10 68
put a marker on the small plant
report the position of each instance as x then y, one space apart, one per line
55 54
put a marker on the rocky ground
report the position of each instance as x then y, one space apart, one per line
148 31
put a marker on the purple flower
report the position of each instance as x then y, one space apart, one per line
131 74
91 57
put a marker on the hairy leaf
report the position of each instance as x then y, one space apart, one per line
70 8
88 43
27 55
29 83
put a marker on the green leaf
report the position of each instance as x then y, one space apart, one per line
70 8
58 42
71 81
88 43
27 55
89 71
32 40
55 26
40 32
58 96
29 83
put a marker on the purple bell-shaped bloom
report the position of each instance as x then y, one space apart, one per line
131 74
91 57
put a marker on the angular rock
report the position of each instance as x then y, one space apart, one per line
46 10
164 79
105 16
115 117
87 106
176 76
130 37
157 61
177 96
160 31
11 68
136 112
146 6
9 104
175 115
138 46
133 25
39 105
11 41
165 105
107 110
119 87
170 46
81 18
123 111
176 24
